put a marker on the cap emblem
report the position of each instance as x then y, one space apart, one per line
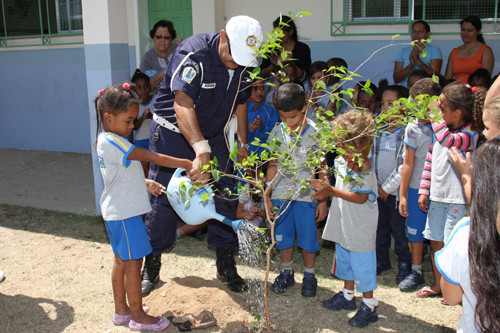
251 40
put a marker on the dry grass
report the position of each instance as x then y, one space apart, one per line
58 267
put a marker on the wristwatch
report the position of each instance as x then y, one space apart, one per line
243 145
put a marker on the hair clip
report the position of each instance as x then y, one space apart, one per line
126 86
474 89
100 91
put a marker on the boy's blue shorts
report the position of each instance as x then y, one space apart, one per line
415 222
142 143
299 219
360 267
129 238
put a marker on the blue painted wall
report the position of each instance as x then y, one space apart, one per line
44 100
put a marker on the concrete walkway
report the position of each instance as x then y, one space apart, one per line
50 180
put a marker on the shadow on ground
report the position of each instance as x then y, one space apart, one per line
20 313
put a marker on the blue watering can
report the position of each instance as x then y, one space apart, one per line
196 211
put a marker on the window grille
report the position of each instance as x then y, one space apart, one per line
42 19
390 12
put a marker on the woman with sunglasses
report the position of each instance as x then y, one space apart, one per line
155 61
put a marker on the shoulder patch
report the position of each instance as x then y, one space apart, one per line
188 74
101 163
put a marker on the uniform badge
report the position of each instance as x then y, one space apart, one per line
101 163
251 40
188 74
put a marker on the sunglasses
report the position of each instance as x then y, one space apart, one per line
167 38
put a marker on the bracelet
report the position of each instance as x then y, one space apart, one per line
201 147
243 145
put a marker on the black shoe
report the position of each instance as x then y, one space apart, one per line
150 274
404 269
309 285
412 282
339 302
226 270
364 316
285 280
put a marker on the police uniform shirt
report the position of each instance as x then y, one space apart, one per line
197 70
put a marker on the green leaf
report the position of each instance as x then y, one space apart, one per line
186 204
435 78
394 37
321 84
204 196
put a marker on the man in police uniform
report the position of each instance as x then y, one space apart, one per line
202 86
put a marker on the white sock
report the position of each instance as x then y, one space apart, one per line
371 302
348 294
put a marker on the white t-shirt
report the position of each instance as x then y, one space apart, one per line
125 193
352 225
453 263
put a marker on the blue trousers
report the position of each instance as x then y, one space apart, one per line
390 222
161 222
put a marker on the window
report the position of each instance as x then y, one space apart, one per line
39 18
376 10
362 12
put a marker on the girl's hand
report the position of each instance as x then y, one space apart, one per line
154 187
403 207
423 202
463 165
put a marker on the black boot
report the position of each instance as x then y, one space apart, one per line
226 270
150 273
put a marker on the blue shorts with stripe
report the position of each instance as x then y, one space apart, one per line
360 267
415 222
298 220
129 238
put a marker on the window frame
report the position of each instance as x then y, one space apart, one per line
45 23
350 26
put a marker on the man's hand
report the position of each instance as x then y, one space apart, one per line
197 174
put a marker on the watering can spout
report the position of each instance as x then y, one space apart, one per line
237 225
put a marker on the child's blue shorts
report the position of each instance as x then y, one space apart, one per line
415 222
299 219
360 267
129 238
142 143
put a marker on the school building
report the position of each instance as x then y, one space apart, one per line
56 54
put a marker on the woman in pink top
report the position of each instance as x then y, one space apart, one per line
472 55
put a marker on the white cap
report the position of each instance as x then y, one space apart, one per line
244 33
